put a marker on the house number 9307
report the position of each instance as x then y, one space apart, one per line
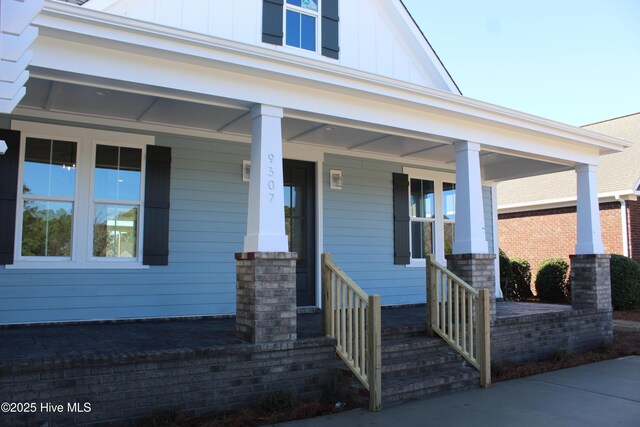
271 183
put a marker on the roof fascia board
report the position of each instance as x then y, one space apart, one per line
562 202
61 20
208 78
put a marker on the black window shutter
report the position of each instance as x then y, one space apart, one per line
156 206
330 19
8 194
272 21
401 254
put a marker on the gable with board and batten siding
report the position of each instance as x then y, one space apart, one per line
370 32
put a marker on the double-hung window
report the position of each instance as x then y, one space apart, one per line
432 198
311 26
301 24
423 218
116 201
81 198
448 215
48 197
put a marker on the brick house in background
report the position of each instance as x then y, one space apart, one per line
537 215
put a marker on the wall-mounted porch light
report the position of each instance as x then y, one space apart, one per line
246 170
335 178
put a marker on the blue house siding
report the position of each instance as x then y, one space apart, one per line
207 226
358 229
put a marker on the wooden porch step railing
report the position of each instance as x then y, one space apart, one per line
460 315
353 318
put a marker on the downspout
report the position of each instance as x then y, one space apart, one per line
625 227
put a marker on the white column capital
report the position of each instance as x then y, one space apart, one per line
267 110
466 146
586 168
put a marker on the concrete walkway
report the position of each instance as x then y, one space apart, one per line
599 394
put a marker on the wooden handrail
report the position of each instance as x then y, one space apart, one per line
352 317
460 315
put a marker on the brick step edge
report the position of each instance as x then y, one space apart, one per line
434 391
404 330
412 343
413 366
393 386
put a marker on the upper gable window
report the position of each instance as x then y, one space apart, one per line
311 25
301 24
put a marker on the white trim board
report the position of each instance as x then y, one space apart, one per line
563 202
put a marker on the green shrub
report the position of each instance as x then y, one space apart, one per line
519 288
552 282
505 273
625 283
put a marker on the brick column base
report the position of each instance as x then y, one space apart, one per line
266 296
479 271
590 281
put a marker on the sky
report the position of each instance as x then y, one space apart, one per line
573 61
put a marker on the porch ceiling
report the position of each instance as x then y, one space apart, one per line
232 118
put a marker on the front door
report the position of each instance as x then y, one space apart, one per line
300 225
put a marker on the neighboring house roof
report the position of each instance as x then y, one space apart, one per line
618 173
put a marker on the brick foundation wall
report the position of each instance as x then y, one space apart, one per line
633 224
541 234
124 387
538 336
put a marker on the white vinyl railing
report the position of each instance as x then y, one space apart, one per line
353 318
460 315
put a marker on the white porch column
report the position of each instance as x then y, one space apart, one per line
469 229
589 235
265 220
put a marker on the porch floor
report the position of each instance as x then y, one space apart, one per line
22 343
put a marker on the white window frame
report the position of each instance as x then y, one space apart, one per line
303 11
438 179
83 208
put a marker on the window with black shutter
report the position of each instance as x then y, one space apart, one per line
84 198
299 24
401 254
